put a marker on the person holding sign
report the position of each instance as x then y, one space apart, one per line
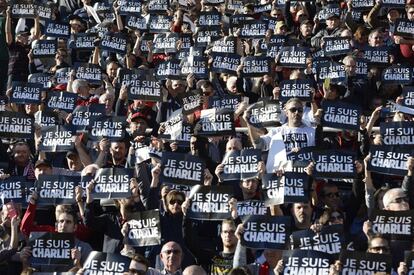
291 136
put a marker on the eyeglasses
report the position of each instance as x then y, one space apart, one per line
332 195
400 200
336 217
138 272
172 202
171 251
294 110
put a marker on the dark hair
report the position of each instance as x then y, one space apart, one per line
140 259
240 271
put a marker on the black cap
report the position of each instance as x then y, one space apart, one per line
330 15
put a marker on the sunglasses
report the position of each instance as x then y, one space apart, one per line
138 272
172 202
379 248
294 110
400 200
171 251
332 195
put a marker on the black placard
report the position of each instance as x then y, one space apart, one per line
46 118
293 57
144 229
298 261
361 71
299 88
82 115
209 203
240 165
409 261
89 72
397 133
57 138
251 207
23 10
191 101
62 75
158 6
328 240
114 42
182 168
55 29
209 19
390 160
303 155
398 224
26 93
145 88
13 189
17 125
205 36
106 263
404 27
83 41
341 115
169 69
408 94
158 23
166 42
125 76
253 29
44 48
217 122
378 56
136 22
65 101
195 65
254 66
329 9
357 262
397 74
51 249
54 190
130 6
41 78
362 5
44 11
112 128
224 102
264 113
333 70
334 46
266 232
225 63
226 45
112 183
394 4
291 187
334 164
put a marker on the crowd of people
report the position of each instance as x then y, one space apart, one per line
194 58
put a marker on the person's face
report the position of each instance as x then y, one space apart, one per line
31 108
232 86
233 144
193 146
276 14
350 66
410 14
379 246
138 126
111 70
23 38
336 218
21 154
302 213
227 235
376 39
294 112
118 150
137 268
75 26
331 197
306 30
174 205
171 256
74 163
177 86
60 56
332 23
393 15
43 170
398 202
249 188
65 223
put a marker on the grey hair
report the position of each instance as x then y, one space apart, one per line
79 83
388 196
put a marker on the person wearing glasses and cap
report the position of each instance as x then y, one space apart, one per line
291 136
